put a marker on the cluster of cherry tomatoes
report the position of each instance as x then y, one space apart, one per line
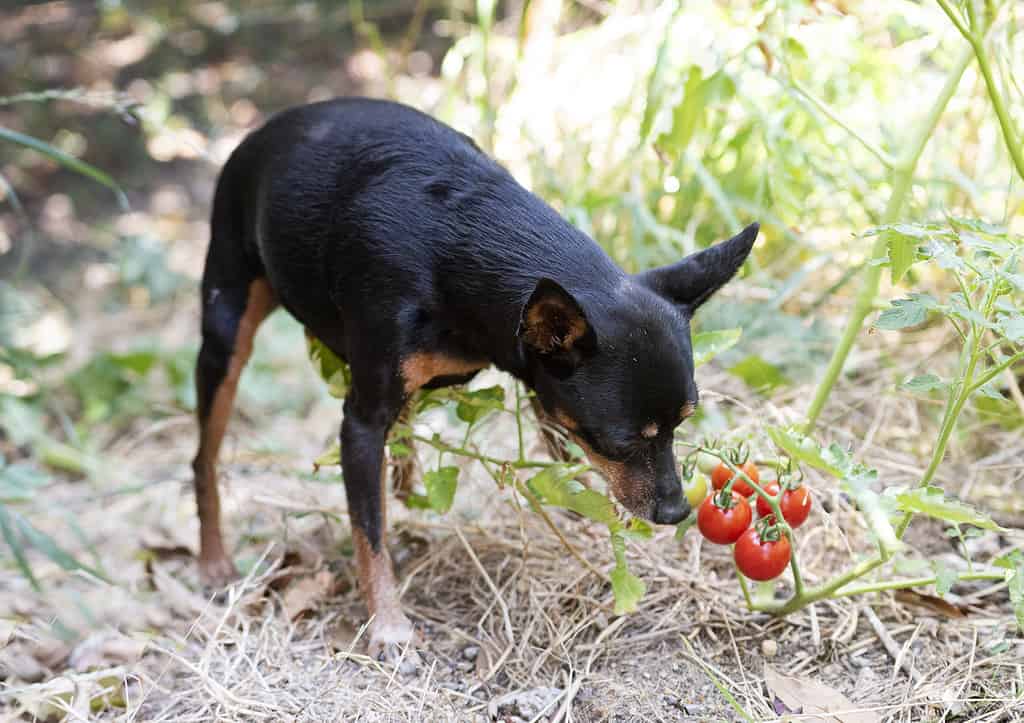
724 517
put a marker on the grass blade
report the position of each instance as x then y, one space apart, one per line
66 160
17 550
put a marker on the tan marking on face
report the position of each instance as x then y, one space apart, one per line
687 411
420 367
635 493
550 325
650 431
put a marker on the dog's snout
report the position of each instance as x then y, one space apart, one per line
671 510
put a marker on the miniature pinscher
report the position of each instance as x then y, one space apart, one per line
419 260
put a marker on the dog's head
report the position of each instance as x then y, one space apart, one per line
617 373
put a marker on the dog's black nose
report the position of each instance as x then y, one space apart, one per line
671 511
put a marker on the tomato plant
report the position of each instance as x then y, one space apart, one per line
762 552
722 521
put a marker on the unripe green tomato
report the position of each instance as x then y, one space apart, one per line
696 489
706 462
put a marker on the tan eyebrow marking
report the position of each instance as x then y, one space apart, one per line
687 411
650 431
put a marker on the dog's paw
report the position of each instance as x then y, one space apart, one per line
217 573
394 642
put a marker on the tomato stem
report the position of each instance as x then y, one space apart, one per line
743 585
915 582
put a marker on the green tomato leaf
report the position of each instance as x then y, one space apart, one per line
989 391
417 502
803 449
945 577
474 405
637 529
906 312
329 366
923 384
1012 327
331 457
958 307
627 588
858 482
902 254
399 449
1016 280
758 374
1013 562
708 344
932 501
557 486
441 484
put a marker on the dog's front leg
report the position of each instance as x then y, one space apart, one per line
363 436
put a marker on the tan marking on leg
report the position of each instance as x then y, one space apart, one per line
389 626
390 629
420 367
215 566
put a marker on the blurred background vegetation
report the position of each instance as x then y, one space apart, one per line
657 127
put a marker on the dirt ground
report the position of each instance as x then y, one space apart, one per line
513 626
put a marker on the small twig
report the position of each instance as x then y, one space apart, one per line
890 645
506 618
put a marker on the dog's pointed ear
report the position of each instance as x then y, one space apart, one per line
692 281
553 323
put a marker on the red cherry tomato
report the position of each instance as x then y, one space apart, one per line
722 474
761 559
724 526
795 504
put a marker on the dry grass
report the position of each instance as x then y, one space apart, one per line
501 604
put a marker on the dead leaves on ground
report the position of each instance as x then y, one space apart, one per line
812 700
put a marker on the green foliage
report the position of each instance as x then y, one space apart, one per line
1013 563
330 367
556 486
932 501
924 383
441 484
758 374
709 344
627 588
911 311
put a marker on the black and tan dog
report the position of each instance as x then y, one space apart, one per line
419 260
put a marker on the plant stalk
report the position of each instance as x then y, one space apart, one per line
904 181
